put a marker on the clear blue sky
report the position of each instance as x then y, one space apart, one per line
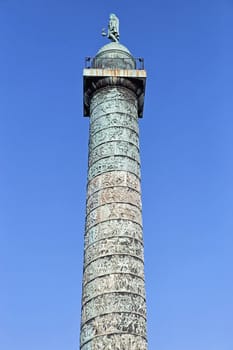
187 167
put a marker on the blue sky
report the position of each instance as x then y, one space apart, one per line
187 169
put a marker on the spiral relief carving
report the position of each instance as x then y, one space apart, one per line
112 120
113 299
111 101
113 179
114 148
117 323
114 163
113 211
114 194
113 302
114 264
117 133
114 245
116 342
113 228
118 282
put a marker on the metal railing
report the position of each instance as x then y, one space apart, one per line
115 62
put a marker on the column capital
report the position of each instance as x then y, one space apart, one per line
96 78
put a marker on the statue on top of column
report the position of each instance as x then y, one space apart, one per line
113 28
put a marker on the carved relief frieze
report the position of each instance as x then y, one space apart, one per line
113 264
120 148
112 93
113 211
113 302
108 107
114 163
114 245
104 102
112 324
113 228
116 133
111 179
114 194
101 151
116 342
113 283
112 120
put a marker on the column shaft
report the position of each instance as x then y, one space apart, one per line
113 301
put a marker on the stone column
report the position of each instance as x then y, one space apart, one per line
113 300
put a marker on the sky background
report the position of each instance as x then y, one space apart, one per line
187 168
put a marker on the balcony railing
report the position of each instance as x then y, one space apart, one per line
115 62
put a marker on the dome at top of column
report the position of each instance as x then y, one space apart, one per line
113 46
114 56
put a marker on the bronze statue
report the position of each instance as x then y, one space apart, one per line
113 28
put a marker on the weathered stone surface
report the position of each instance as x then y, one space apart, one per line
113 211
118 282
114 245
113 303
118 323
113 264
114 194
115 99
117 342
116 133
114 148
114 179
115 119
107 107
114 163
113 228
